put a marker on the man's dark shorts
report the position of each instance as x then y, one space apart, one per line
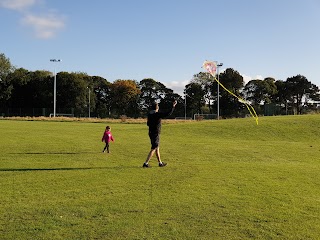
155 140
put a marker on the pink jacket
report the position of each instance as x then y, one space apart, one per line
107 137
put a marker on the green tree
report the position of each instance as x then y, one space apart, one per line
28 90
208 86
313 98
5 67
194 98
72 92
282 96
124 97
40 89
299 87
101 89
167 100
150 92
19 95
229 105
260 91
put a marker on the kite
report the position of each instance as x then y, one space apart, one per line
211 67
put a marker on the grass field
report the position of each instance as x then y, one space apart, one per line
227 179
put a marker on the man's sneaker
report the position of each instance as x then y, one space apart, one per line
145 165
163 164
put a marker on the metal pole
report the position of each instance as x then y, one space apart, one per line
54 87
89 102
54 93
218 91
185 106
185 102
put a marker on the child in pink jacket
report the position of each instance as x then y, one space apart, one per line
107 137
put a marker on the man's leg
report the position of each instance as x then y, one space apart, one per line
154 138
158 154
146 163
161 164
157 143
150 155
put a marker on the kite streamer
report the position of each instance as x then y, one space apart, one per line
211 67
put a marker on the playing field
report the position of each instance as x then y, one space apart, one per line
228 179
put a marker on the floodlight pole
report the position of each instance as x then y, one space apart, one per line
89 101
185 105
54 87
218 91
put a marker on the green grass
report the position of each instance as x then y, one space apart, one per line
227 179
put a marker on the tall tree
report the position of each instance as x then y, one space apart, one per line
167 98
101 88
20 96
229 105
260 91
5 86
313 98
298 87
282 96
207 83
124 95
40 89
72 91
194 97
149 92
5 67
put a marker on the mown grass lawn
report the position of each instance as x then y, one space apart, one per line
227 179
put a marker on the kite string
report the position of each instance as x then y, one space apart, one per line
249 107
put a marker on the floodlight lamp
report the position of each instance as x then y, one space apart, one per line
55 60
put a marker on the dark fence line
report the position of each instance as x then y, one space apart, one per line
45 112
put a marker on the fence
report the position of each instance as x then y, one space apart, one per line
45 112
198 116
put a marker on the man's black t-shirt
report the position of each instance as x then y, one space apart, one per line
154 120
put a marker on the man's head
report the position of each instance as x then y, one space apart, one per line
155 106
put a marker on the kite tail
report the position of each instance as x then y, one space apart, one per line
252 112
249 107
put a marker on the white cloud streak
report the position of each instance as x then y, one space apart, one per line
44 26
17 5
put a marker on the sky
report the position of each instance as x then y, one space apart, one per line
166 40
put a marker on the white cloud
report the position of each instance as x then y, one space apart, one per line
44 26
177 86
259 77
17 5
247 78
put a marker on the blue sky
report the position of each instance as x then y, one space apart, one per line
166 40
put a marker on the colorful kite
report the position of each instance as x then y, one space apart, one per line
211 67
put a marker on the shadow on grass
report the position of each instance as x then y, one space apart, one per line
53 153
63 168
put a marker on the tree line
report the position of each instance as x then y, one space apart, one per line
30 93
